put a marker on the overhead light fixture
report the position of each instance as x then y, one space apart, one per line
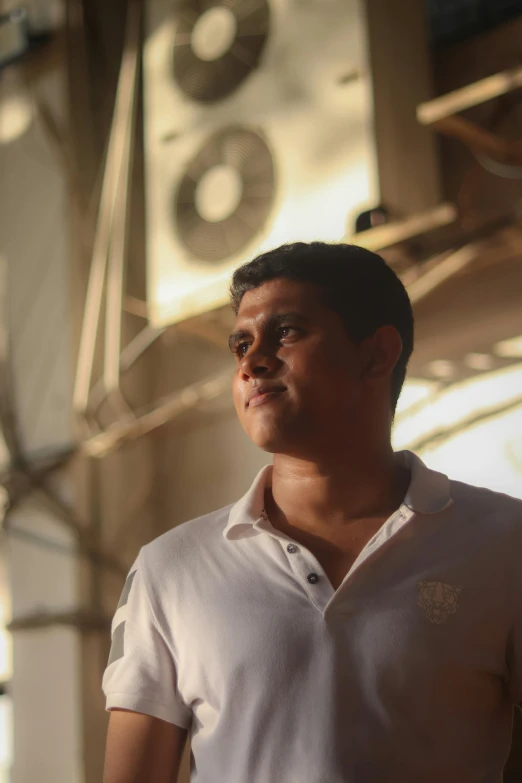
479 361
509 349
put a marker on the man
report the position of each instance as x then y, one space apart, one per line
355 618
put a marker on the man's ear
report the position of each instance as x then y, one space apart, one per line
381 352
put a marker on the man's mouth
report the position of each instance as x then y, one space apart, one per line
263 394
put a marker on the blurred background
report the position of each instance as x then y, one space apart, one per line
146 150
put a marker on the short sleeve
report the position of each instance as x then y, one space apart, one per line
141 671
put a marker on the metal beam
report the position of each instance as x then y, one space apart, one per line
119 232
382 237
467 97
84 621
164 411
441 114
446 267
129 356
114 169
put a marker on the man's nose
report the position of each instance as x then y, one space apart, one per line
259 361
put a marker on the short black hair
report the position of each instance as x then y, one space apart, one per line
356 283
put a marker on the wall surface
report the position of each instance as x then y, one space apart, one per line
40 551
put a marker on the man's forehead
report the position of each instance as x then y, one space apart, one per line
278 296
275 313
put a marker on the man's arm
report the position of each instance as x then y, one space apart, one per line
142 749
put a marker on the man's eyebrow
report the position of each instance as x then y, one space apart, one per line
290 316
235 338
271 322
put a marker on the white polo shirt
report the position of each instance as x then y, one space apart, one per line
407 673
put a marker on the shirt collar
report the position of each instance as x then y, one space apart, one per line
247 511
428 493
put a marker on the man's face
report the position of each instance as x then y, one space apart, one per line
297 384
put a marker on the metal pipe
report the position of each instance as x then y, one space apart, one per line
108 197
119 235
446 268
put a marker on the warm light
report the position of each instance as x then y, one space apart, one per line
16 116
486 454
6 738
441 369
16 110
456 406
414 391
479 361
510 349
5 656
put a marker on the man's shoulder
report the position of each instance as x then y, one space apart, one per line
486 504
187 541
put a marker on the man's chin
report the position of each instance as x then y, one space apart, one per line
272 445
273 440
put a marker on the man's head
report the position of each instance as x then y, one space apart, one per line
328 331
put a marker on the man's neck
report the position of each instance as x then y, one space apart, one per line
329 493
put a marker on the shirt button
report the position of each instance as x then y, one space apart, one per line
291 548
313 578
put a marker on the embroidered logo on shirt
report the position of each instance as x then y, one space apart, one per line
438 600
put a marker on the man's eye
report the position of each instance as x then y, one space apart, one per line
285 331
241 349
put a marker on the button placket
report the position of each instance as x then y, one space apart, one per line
309 573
